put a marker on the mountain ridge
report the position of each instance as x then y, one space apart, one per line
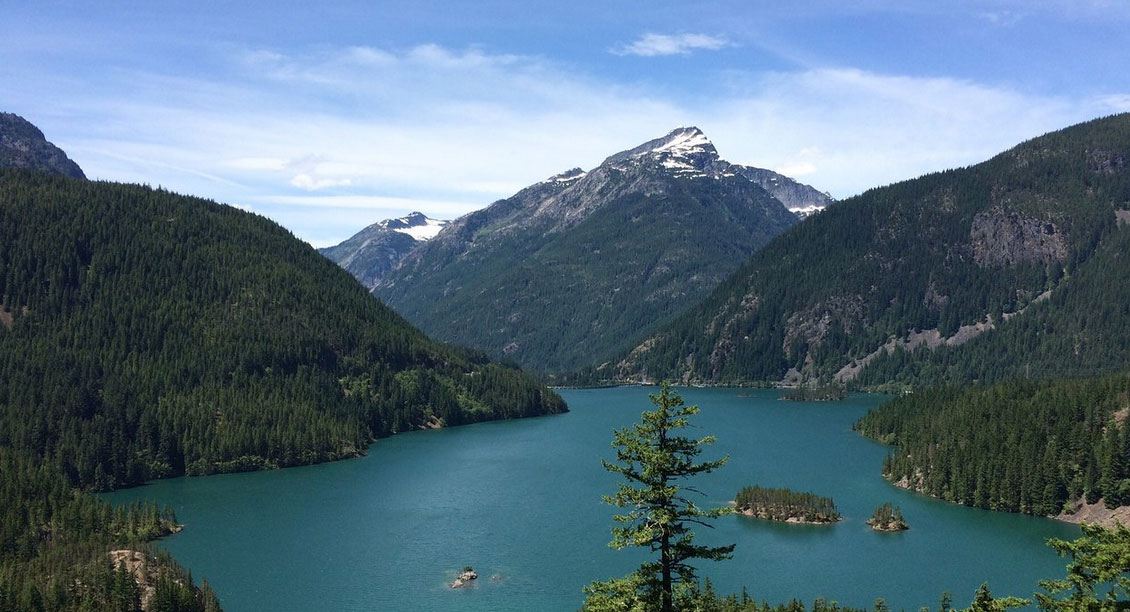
23 145
370 253
962 252
572 265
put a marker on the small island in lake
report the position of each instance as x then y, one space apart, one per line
465 578
887 518
786 506
824 393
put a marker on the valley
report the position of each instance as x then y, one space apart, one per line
213 401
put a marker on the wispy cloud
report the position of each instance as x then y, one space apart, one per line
651 45
328 141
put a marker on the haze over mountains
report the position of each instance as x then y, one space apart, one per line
569 269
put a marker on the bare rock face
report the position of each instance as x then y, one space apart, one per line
1107 162
22 145
1001 238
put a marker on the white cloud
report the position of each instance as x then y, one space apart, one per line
651 45
309 183
796 169
258 163
855 129
446 132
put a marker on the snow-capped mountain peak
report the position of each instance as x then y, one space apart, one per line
417 225
684 141
682 149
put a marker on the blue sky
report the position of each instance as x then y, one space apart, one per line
328 118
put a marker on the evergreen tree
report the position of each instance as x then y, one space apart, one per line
654 460
983 601
1101 558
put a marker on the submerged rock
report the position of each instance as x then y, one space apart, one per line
465 578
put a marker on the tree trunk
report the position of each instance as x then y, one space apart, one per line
665 563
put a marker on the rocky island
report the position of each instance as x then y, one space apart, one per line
887 518
824 393
465 578
786 506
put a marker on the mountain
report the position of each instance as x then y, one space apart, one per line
801 200
375 250
1012 267
145 334
567 271
22 145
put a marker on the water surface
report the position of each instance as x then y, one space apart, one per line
520 501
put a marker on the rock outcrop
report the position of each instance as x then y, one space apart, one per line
22 145
465 578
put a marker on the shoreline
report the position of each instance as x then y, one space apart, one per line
791 520
1081 512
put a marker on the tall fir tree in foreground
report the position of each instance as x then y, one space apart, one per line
654 460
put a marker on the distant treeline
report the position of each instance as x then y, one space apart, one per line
822 393
785 504
1017 446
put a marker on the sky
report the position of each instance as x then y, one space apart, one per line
327 117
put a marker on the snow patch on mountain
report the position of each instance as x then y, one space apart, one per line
805 211
426 231
682 142
567 177
417 225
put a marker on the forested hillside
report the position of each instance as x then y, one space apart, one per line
1017 446
57 546
1010 267
146 334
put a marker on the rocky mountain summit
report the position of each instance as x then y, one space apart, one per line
369 254
570 268
22 145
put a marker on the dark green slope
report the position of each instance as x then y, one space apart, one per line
56 543
917 261
569 271
1017 446
146 334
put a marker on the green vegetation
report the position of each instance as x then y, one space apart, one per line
822 393
1017 446
144 335
654 460
1101 558
55 544
153 335
786 505
926 254
887 518
1100 565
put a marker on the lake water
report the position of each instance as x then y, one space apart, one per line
520 501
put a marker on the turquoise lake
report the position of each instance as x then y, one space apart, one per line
520 501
